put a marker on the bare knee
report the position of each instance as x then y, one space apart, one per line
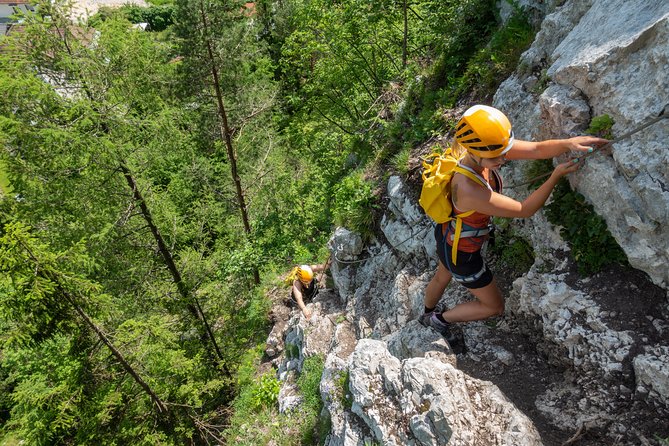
490 297
495 306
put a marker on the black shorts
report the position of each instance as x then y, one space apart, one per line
470 269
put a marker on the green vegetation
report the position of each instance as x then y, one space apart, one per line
537 170
257 424
512 251
498 59
354 204
182 170
601 126
309 385
5 187
343 384
292 351
592 245
475 58
401 161
158 17
542 82
266 391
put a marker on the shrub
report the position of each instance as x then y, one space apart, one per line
266 391
354 204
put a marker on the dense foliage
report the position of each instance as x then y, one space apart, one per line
592 245
154 184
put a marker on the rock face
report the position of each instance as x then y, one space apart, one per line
420 401
590 353
605 57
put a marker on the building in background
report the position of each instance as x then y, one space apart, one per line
7 9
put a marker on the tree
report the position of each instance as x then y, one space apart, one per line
105 90
41 300
103 161
225 69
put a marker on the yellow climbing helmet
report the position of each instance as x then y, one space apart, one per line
305 274
484 131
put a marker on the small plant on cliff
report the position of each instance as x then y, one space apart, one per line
592 245
354 204
601 126
542 82
343 385
309 385
266 391
401 160
512 251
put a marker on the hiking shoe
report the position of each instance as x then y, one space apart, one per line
456 342
430 320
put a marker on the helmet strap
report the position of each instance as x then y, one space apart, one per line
475 158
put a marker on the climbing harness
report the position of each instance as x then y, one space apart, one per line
662 115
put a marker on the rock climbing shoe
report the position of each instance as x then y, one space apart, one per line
445 329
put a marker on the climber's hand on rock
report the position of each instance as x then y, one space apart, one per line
567 167
584 143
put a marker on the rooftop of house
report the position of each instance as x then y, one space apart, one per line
14 2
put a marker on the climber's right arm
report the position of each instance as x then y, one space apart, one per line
468 195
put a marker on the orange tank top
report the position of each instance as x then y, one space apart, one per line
477 220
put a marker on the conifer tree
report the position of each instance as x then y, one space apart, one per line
87 70
225 71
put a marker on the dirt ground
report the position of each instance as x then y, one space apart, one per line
628 298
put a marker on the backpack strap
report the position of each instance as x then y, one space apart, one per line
469 173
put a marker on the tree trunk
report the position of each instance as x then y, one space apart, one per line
162 408
405 36
226 133
185 293
163 411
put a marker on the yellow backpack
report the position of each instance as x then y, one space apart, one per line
290 278
435 196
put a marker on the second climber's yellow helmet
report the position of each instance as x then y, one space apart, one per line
484 131
305 274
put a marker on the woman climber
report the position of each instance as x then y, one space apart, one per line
485 136
305 286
